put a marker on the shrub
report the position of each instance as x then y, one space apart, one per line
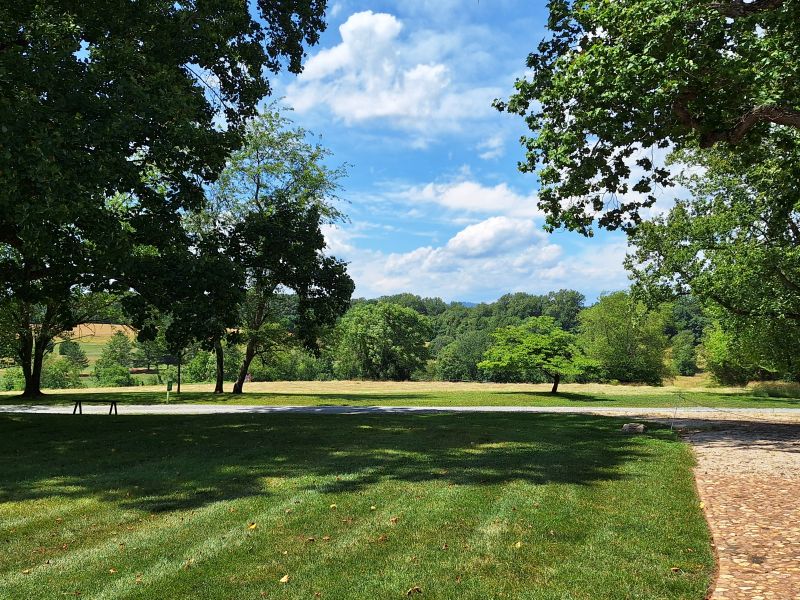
60 373
13 379
111 374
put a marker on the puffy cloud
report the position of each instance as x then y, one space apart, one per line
483 261
466 196
377 73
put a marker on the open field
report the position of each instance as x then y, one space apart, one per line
93 336
366 393
465 506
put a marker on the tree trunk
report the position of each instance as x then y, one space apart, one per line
32 367
218 351
556 381
180 357
249 353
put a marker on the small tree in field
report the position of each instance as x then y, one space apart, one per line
536 346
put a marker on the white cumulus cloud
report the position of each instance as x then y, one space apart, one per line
376 72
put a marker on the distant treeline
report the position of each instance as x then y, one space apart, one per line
518 338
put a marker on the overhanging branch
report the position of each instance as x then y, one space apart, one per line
740 8
766 113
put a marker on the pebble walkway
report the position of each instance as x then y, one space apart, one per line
748 476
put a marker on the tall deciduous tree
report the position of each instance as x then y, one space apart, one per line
625 338
618 80
274 196
380 341
537 346
94 97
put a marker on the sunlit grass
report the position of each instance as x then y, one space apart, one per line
370 506
350 393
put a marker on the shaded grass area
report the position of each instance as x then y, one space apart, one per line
465 506
436 398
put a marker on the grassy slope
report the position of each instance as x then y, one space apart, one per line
486 506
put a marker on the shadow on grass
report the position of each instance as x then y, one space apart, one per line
163 463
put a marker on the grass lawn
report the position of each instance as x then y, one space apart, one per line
368 507
409 394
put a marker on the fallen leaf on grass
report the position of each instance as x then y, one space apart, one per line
112 570
311 539
373 508
414 590
26 572
333 507
394 520
284 579
675 569
702 505
289 510
445 546
252 526
382 537
326 538
518 545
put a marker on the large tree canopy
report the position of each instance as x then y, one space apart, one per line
618 81
113 115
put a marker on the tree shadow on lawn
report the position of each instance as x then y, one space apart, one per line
134 397
163 463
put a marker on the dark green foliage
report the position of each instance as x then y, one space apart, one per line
203 367
118 349
290 363
73 352
625 338
424 306
111 374
564 306
616 82
684 356
61 373
687 314
458 361
112 369
108 116
274 196
13 379
380 341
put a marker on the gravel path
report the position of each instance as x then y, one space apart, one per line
748 477
683 416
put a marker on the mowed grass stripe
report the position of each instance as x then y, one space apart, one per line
596 511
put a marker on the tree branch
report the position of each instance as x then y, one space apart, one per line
765 113
760 114
740 8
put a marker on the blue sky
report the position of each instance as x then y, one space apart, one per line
402 92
